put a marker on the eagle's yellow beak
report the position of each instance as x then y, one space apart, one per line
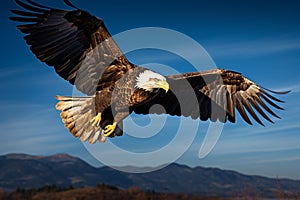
163 85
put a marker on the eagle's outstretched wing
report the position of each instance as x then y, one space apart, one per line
76 43
214 95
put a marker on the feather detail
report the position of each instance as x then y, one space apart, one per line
76 113
218 93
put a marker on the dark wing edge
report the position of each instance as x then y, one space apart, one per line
216 95
76 43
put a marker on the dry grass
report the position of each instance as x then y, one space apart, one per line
100 192
106 192
249 193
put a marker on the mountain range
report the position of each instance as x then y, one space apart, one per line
26 171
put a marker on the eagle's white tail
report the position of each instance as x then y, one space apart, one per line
76 113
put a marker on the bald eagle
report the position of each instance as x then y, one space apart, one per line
82 51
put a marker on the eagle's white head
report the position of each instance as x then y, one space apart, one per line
149 81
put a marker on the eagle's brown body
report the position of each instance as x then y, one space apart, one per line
126 94
82 51
120 99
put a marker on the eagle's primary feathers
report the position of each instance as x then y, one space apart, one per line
82 51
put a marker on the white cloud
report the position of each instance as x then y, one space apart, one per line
294 88
261 46
10 71
33 128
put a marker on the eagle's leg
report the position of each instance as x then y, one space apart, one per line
109 129
96 120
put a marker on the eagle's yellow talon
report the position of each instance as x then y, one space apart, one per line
109 129
96 120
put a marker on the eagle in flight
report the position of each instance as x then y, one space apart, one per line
82 51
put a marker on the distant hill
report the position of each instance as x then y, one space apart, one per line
25 171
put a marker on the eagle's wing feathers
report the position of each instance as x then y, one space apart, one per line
76 43
214 95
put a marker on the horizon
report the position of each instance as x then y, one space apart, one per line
259 39
129 166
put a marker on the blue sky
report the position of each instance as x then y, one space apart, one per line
259 39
